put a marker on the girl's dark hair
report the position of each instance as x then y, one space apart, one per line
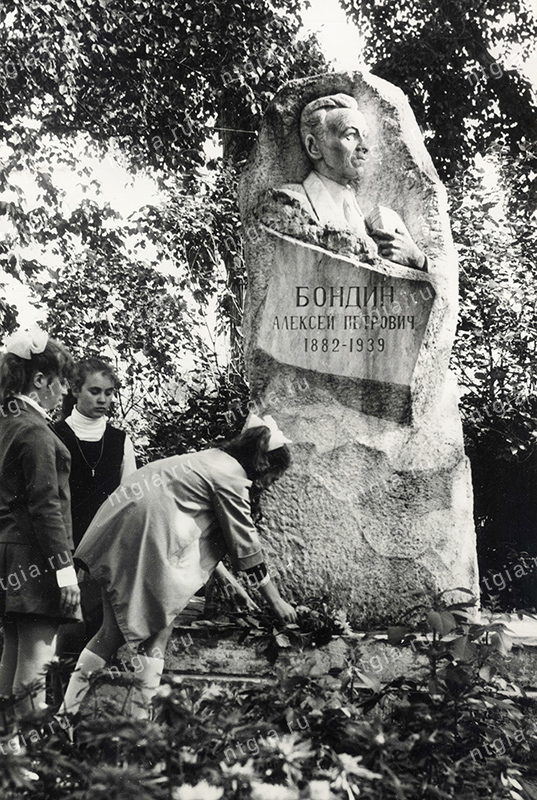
77 379
262 466
87 366
16 373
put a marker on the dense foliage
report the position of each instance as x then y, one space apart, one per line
161 292
154 78
455 61
495 360
454 728
143 291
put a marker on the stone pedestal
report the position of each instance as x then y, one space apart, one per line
351 358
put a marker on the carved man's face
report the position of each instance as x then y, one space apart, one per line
340 152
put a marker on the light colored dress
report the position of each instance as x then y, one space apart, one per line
158 537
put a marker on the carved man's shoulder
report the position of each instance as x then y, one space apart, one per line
286 209
285 206
294 190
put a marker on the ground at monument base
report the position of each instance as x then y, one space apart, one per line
215 654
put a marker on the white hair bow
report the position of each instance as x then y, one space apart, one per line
25 344
277 438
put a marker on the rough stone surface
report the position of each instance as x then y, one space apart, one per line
218 651
379 501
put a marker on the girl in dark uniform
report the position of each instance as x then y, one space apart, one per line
38 585
101 456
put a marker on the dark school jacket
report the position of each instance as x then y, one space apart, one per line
34 484
91 487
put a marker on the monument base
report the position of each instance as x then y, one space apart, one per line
372 510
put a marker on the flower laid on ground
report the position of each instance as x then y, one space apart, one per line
212 691
286 756
349 773
290 746
352 766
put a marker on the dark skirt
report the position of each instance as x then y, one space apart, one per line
28 584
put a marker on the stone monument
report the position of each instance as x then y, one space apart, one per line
350 319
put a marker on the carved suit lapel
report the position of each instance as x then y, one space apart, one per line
322 202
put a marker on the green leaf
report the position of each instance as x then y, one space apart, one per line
370 680
463 649
282 640
443 622
502 643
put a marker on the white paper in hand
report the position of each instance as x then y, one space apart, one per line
386 220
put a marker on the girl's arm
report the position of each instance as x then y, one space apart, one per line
232 507
225 577
38 462
281 608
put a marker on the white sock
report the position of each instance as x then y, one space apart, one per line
87 663
150 674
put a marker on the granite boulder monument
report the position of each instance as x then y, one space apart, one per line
350 319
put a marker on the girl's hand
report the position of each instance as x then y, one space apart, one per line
284 611
70 599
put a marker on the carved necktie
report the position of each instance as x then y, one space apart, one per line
353 214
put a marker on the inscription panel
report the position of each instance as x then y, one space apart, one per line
326 314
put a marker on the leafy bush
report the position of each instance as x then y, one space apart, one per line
456 729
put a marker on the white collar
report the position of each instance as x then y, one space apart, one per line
337 190
86 429
29 401
331 184
334 204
